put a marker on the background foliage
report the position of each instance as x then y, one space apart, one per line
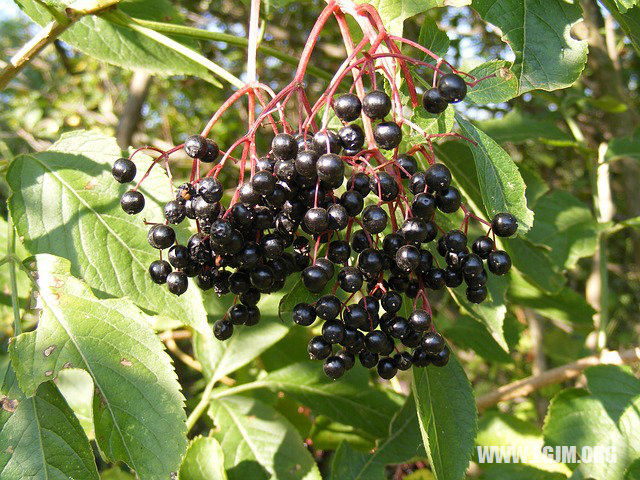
564 108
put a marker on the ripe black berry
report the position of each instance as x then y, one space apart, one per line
387 135
482 247
420 320
305 163
350 279
477 294
326 266
376 104
472 265
438 177
222 329
384 186
326 142
452 277
448 200
132 202
442 358
368 359
377 341
262 277
433 102
177 282
403 360
159 270
417 183
504 224
339 252
370 261
239 282
499 262
347 357
434 279
334 367
195 146
432 343
374 219
314 278
360 183
316 220
328 307
263 183
318 348
330 169
387 368
174 212
352 137
238 314
161 236
452 88
333 331
304 314
347 107
391 302
212 152
407 164
284 146
414 231
407 258
210 189
124 170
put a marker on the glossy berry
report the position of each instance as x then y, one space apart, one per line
316 220
455 241
403 360
330 169
263 183
387 368
423 206
305 163
179 256
333 331
448 200
222 329
352 137
434 279
124 170
418 183
347 107
326 266
161 236
159 270
433 102
419 320
360 183
339 251
432 343
347 357
326 142
370 261
318 348
177 282
391 302
499 262
195 146
407 164
407 258
132 202
212 152
376 104
328 307
504 224
334 367
374 219
368 359
438 177
387 135
472 265
284 147
452 88
238 314
482 247
442 358
262 277
350 279
384 186
452 277
377 341
174 212
314 278
210 189
414 230
477 294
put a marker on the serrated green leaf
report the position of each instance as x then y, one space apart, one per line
624 5
40 438
122 46
204 460
402 444
66 203
538 32
500 182
468 333
137 406
518 127
430 123
328 435
351 402
258 442
498 89
222 358
448 417
566 227
395 12
566 306
433 39
606 415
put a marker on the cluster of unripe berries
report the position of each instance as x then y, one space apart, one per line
302 212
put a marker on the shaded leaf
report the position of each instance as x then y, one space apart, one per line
518 127
534 262
65 202
137 406
433 39
468 333
258 442
395 12
538 32
628 147
629 21
448 417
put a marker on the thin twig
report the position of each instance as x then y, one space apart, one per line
526 386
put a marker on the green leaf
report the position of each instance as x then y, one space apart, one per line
395 12
76 387
497 429
258 442
328 435
222 358
204 460
628 147
534 262
633 472
519 127
607 416
547 57
402 444
565 306
433 39
629 21
66 203
116 474
351 402
448 417
430 123
624 5
137 406
566 227
498 89
469 333
122 46
500 182
40 438
297 293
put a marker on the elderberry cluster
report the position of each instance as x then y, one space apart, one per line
302 212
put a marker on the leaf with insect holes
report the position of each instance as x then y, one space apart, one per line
122 46
40 438
538 32
65 202
138 410
503 86
500 181
448 417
